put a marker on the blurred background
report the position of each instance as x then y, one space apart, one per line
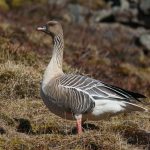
105 39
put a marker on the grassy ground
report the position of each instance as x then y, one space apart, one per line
25 122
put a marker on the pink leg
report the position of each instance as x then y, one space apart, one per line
79 123
79 126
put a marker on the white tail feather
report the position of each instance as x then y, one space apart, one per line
112 107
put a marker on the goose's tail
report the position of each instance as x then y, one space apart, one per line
133 107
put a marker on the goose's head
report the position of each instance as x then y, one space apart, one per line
53 28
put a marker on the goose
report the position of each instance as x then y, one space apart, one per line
78 97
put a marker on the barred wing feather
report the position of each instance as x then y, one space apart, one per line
87 94
97 90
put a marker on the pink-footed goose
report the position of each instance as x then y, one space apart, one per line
75 96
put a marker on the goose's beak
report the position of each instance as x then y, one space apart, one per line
43 28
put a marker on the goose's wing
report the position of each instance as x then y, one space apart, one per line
84 92
97 89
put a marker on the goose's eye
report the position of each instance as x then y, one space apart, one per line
52 24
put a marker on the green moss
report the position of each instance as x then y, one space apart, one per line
2 142
47 129
3 5
17 3
50 126
17 143
6 119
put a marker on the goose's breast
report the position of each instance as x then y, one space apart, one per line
55 107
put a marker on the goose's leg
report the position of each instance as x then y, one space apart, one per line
79 123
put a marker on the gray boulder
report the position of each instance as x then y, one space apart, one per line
145 40
145 6
58 2
78 13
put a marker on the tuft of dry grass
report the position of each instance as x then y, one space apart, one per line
25 122
18 81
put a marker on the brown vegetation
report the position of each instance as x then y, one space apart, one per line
100 51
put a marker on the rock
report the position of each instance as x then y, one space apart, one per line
120 12
144 13
102 15
78 13
113 2
91 4
124 5
58 2
145 40
145 6
124 13
134 3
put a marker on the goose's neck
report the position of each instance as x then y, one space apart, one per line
54 67
57 56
